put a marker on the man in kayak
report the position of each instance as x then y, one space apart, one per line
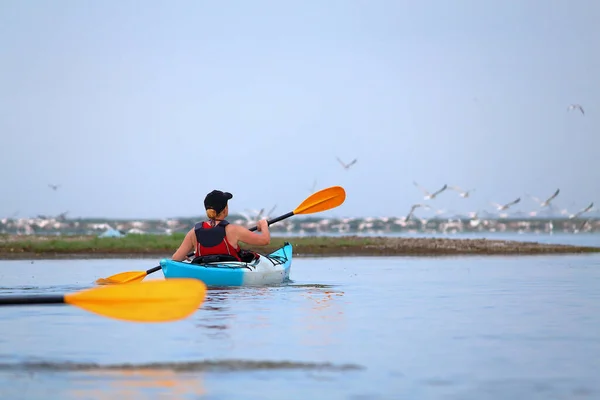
217 236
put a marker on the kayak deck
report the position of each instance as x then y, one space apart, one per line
267 269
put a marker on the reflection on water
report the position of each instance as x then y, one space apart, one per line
135 384
68 380
323 299
323 316
183 366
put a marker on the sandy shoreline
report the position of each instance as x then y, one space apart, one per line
327 247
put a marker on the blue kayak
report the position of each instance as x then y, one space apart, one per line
267 269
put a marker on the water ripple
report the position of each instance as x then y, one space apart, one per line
204 365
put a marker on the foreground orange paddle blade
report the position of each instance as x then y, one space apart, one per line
322 200
123 277
153 301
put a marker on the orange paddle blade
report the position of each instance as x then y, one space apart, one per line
322 200
123 277
153 301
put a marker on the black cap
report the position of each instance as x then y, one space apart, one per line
217 200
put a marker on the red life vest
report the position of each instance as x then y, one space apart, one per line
213 240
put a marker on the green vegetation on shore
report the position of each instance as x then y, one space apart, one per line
15 247
90 244
155 244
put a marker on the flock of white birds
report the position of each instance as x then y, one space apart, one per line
253 215
547 202
431 195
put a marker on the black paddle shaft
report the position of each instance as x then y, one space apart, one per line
151 270
24 300
158 267
272 221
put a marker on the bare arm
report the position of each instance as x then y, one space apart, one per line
186 246
257 239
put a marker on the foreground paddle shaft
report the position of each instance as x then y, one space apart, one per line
158 267
154 301
151 270
29 300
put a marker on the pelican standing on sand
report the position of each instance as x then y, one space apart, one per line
430 196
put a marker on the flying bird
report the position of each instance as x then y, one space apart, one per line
546 202
252 216
413 208
260 213
347 166
430 196
53 187
314 187
583 225
462 193
576 107
474 215
270 213
584 210
501 207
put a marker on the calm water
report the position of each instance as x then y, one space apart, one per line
355 328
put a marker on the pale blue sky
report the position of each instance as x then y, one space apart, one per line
139 108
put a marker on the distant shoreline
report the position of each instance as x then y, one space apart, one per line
311 225
163 246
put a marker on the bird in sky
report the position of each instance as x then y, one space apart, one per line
582 211
474 215
270 213
251 216
62 216
314 186
462 193
347 166
546 202
53 187
583 225
501 207
428 195
260 213
413 208
576 107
